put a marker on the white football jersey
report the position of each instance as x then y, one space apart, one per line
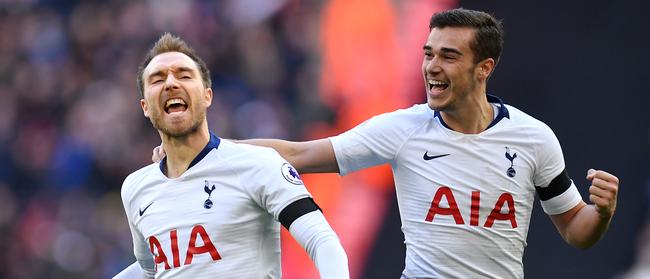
465 200
219 218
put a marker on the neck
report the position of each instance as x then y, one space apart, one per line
473 116
182 150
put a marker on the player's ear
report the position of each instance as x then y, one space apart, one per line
485 68
145 108
207 97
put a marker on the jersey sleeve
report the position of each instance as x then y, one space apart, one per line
140 247
276 183
556 190
373 142
316 236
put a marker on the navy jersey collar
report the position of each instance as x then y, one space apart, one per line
502 113
212 143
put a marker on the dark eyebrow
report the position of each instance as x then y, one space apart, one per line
451 50
443 50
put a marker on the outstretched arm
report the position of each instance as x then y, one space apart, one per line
316 156
584 225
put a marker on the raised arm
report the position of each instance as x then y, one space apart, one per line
316 156
584 225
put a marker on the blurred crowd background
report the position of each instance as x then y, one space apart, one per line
71 128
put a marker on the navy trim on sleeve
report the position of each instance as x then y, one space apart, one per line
558 185
296 209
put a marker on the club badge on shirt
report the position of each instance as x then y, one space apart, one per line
290 174
511 170
208 203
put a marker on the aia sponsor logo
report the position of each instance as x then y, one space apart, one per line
183 251
505 200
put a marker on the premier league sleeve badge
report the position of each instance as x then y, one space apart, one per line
290 174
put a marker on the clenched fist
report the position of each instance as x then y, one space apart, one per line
603 191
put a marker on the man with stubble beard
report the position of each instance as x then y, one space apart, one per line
212 208
466 165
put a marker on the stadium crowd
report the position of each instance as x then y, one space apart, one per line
71 127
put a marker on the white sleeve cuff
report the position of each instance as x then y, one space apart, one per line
563 202
321 243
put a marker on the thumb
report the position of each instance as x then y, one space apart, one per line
158 154
161 151
591 173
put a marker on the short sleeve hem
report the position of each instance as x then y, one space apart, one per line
563 202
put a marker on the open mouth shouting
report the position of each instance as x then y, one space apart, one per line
436 86
175 105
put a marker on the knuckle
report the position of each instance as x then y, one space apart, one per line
613 190
599 174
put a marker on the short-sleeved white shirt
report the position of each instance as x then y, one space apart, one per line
229 199
465 200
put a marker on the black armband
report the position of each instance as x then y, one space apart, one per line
558 185
296 209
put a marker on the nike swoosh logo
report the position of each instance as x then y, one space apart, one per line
145 209
426 156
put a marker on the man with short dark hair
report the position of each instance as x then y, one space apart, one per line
466 165
211 208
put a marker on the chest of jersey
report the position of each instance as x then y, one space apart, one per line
480 180
202 219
